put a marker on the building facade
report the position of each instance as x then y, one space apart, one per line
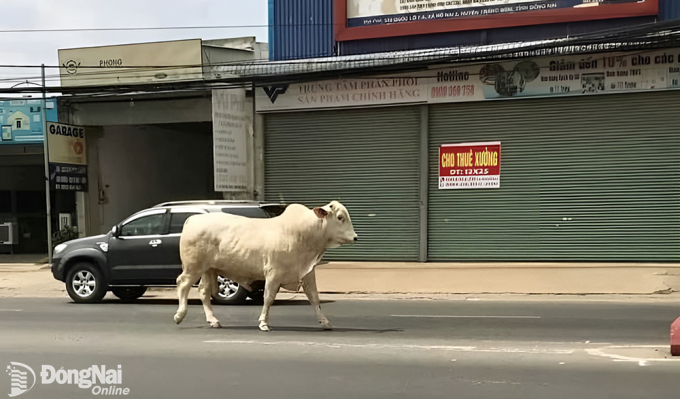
152 145
575 130
22 176
320 28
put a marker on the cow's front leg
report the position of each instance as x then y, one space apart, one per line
207 288
271 288
309 286
184 283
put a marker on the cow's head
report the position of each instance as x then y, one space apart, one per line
338 225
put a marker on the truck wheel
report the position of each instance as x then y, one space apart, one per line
257 295
229 292
85 283
128 293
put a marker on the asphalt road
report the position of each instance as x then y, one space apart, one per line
378 349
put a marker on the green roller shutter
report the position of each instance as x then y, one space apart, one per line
367 159
593 178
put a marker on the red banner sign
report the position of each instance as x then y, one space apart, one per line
470 165
371 19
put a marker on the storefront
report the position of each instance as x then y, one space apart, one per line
588 169
154 143
368 159
157 151
23 216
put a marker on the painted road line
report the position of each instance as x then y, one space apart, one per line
613 352
463 317
10 310
335 345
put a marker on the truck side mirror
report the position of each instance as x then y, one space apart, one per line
115 231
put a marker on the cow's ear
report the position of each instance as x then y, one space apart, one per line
320 212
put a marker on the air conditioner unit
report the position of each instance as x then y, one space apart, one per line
7 236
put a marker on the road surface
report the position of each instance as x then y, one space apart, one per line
378 349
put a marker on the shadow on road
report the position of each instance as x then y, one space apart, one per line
169 301
295 329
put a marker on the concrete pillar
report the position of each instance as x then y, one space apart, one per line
81 214
250 156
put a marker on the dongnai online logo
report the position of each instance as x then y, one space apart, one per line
18 375
103 381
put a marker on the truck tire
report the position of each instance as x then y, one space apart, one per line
229 292
85 283
127 294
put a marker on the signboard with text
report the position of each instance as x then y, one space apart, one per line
571 75
67 155
131 63
364 19
470 165
342 93
21 120
230 127
65 177
558 76
66 144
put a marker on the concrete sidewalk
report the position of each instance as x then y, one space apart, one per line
428 280
512 277
6 259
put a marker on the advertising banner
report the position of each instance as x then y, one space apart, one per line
230 127
376 12
533 77
21 120
470 165
66 144
363 19
558 76
343 93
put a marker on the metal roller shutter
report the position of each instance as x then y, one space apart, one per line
367 159
582 179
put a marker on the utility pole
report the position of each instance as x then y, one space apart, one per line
47 166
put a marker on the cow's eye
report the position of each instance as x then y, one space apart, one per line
340 218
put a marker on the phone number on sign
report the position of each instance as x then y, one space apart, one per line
453 91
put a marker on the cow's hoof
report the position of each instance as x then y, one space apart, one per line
215 325
264 327
178 318
327 326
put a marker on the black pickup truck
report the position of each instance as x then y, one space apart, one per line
143 251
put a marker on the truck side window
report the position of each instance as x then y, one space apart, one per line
144 226
177 221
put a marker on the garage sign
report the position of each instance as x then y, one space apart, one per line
470 165
67 157
66 143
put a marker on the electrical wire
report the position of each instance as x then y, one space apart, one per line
645 37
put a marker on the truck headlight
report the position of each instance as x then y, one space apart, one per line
59 248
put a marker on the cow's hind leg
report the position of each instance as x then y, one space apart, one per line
184 283
309 286
207 288
271 288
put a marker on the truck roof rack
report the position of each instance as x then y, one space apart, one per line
215 202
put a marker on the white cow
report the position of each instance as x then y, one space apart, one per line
282 251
